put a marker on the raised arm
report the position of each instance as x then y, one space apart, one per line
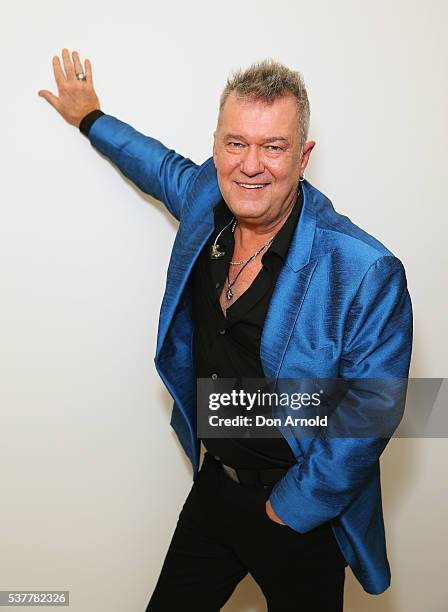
155 169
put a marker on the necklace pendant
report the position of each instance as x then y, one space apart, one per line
229 293
215 253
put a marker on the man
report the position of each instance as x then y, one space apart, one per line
265 279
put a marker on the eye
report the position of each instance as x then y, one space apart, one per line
274 148
235 145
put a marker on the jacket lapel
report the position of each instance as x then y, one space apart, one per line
197 224
290 289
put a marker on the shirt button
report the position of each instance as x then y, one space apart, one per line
222 332
218 285
214 376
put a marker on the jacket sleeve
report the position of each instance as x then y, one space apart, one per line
377 345
155 169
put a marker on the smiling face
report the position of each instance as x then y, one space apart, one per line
257 158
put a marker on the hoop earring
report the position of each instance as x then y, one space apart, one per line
301 179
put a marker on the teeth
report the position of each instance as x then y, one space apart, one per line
250 186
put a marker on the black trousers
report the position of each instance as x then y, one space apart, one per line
223 532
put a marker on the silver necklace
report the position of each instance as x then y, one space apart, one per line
229 292
244 261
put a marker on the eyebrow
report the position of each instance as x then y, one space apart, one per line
264 141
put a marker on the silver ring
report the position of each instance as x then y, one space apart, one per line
81 76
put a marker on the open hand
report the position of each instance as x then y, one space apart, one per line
76 98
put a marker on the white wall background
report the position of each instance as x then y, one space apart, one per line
92 477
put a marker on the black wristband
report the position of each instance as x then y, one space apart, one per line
89 120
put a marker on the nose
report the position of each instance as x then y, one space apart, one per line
251 162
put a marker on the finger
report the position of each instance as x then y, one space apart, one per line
88 70
50 98
58 72
68 66
77 63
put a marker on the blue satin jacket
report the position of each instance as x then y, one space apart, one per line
340 308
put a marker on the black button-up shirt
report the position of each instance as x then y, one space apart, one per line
229 346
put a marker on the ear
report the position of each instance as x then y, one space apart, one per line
309 146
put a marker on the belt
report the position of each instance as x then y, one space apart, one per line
266 478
